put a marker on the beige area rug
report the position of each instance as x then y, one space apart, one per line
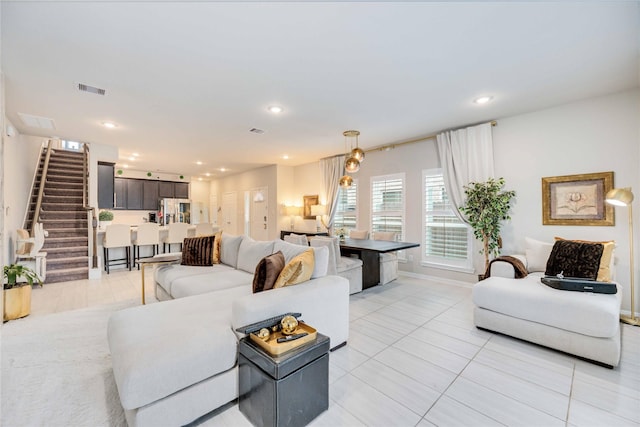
56 370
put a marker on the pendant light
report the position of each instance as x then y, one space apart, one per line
352 165
346 181
357 152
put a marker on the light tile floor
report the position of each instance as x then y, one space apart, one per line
414 358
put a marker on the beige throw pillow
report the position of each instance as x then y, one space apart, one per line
298 270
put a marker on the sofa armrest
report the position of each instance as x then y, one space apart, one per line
505 269
323 302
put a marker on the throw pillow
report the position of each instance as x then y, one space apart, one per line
267 272
537 254
606 262
298 270
198 251
216 247
575 259
320 261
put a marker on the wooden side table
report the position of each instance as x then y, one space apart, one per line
157 260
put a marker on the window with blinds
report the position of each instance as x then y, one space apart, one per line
446 239
387 204
347 210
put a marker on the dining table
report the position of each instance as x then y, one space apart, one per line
369 252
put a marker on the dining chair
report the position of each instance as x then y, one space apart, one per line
388 260
358 234
297 239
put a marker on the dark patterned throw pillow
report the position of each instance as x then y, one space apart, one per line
575 259
267 271
198 251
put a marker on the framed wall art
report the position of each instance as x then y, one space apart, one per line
308 202
577 199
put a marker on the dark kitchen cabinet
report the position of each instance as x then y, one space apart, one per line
135 200
166 189
120 193
151 195
181 190
105 185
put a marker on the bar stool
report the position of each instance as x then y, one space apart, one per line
117 236
388 260
177 233
148 234
204 229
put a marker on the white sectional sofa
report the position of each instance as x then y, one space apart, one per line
176 361
580 323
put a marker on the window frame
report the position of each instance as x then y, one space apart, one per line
445 263
400 213
354 187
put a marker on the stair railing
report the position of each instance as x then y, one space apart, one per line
87 207
25 223
43 178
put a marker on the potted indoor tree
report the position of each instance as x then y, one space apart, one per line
485 207
17 295
105 217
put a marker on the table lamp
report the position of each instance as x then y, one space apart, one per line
293 211
624 197
318 211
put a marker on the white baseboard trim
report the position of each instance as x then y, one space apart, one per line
436 279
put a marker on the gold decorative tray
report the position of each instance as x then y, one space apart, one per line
274 348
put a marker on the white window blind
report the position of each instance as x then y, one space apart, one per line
446 239
347 211
387 204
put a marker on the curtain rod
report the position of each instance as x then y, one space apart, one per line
388 147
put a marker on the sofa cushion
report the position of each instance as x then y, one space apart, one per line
321 262
229 249
251 252
529 299
198 251
267 272
289 250
153 357
298 270
333 245
537 254
575 259
216 247
212 282
606 262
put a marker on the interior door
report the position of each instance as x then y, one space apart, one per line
259 213
230 212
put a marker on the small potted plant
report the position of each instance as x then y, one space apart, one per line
341 233
485 207
17 295
105 217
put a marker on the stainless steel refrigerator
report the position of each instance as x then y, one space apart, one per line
174 210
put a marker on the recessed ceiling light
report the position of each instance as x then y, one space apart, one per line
275 109
131 159
286 157
135 154
222 170
125 166
483 99
207 174
200 179
198 162
109 125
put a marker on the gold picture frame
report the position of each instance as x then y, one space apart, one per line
308 202
577 199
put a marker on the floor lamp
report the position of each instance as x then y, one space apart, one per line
624 197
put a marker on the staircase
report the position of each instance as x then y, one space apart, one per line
62 216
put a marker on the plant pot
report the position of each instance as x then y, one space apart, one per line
103 224
17 302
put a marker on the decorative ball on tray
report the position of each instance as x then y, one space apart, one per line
288 324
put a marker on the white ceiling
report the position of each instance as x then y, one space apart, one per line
186 81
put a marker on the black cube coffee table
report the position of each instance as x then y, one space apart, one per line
290 389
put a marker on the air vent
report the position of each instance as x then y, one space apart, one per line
256 130
37 122
91 89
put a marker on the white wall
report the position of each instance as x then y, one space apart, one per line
21 154
246 181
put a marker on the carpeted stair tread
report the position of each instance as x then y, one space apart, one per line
67 232
68 274
49 224
57 264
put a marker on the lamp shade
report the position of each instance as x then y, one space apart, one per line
294 210
318 210
619 197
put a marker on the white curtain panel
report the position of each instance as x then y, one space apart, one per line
332 170
466 155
